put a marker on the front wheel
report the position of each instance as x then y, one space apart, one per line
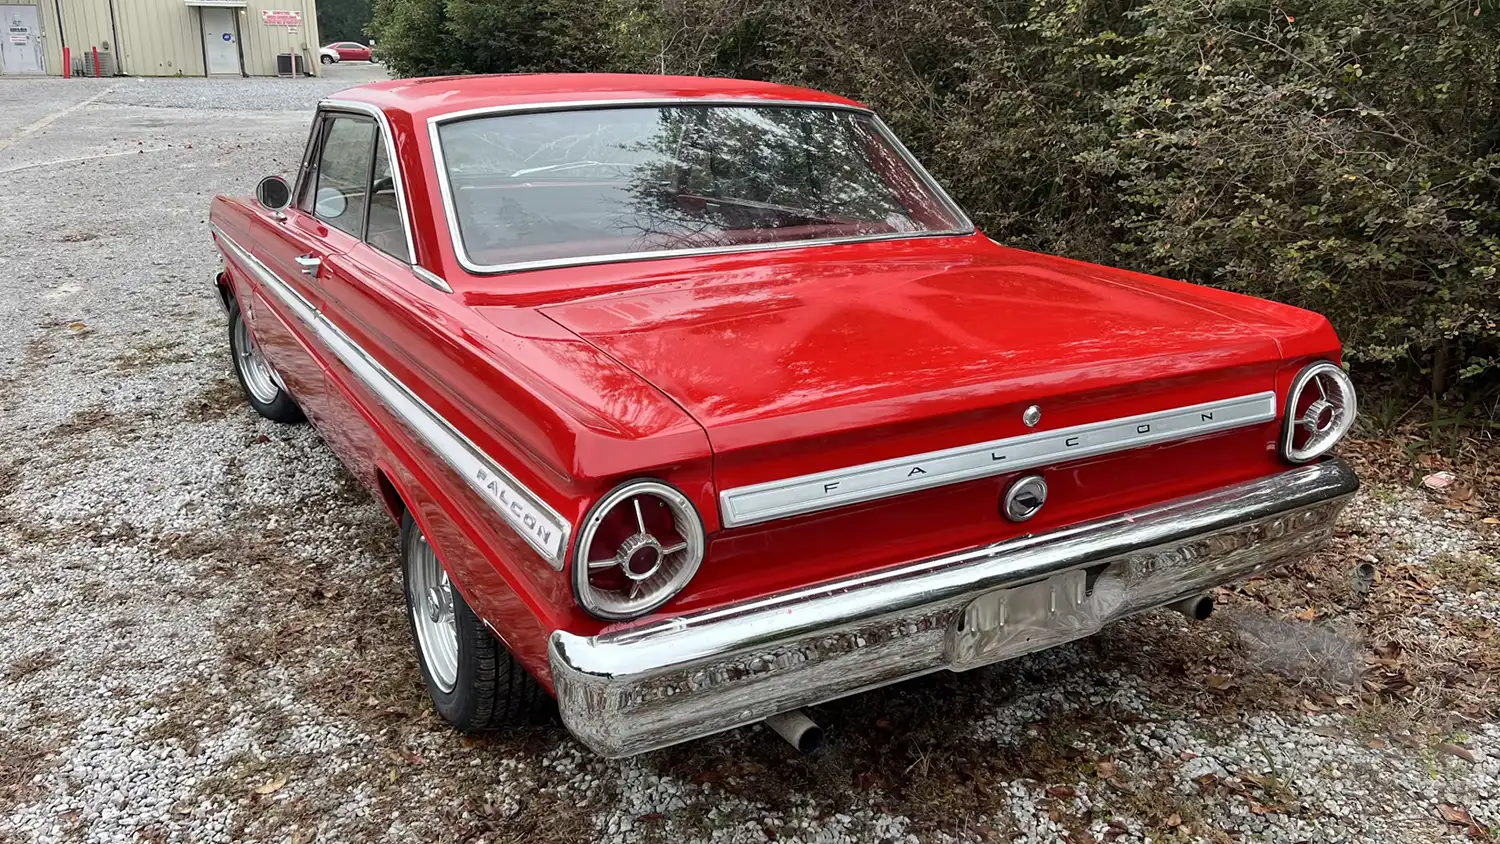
474 682
327 59
257 377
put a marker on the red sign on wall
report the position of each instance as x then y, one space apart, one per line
273 17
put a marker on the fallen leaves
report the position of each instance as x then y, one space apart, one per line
271 786
1218 682
1459 816
1456 750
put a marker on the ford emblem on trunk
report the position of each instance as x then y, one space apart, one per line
1024 498
1032 416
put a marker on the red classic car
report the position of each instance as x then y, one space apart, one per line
698 401
345 51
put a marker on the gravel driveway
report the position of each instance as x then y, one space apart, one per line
201 635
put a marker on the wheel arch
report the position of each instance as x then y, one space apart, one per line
390 497
224 287
395 496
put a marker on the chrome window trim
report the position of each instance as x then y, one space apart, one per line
431 278
795 496
398 177
520 508
965 228
314 133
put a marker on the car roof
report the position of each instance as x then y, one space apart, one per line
435 96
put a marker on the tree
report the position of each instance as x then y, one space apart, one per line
343 20
435 37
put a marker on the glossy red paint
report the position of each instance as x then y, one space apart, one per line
718 371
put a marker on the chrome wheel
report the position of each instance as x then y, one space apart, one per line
260 378
431 601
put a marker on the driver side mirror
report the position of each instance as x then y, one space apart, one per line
274 193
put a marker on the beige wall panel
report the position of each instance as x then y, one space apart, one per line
85 24
159 38
263 43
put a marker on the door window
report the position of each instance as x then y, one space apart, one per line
386 231
343 172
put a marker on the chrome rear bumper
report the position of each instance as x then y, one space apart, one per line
634 689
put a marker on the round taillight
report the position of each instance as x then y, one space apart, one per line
637 547
1320 409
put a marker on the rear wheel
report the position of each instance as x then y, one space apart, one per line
262 386
474 682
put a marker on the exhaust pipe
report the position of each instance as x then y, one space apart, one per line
1197 607
800 731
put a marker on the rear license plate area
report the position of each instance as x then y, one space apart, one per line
1018 620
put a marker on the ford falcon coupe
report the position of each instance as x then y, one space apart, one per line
698 401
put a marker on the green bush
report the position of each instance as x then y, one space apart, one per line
1340 155
439 37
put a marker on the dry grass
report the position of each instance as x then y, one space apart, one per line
30 664
21 759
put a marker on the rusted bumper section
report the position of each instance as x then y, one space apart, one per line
634 689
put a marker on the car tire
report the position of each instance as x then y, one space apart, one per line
473 681
262 385
326 59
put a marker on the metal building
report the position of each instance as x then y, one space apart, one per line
159 37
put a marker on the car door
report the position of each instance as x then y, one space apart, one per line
325 217
373 260
288 242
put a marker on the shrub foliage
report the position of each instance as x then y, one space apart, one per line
1340 155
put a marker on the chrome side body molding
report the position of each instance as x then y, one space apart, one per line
748 505
522 510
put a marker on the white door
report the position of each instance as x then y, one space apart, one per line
219 42
21 51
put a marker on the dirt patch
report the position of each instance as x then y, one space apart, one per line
151 355
216 401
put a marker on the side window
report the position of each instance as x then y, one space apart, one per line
385 231
344 172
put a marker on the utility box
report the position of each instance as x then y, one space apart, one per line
284 64
83 63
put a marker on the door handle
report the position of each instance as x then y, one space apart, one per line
309 264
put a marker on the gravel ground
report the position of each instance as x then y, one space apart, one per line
201 636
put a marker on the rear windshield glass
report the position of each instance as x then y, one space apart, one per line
575 184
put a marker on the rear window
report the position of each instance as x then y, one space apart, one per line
564 185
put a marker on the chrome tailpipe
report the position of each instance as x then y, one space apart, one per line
800 731
1196 607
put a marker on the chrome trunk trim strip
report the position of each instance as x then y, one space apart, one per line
543 528
748 505
636 688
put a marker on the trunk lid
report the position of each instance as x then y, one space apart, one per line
803 366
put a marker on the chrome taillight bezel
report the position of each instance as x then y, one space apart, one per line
1336 395
664 582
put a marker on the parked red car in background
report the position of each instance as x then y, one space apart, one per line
350 51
